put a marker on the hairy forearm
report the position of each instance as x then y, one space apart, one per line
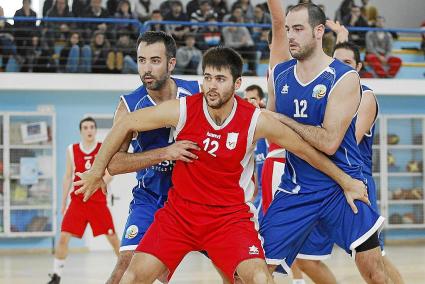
315 136
123 162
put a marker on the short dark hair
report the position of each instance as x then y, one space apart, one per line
316 16
350 46
257 88
223 57
151 37
90 119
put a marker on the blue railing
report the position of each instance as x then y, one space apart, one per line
146 25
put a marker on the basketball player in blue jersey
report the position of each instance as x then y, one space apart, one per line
318 97
154 151
316 247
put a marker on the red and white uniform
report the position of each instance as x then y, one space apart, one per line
208 208
95 211
273 168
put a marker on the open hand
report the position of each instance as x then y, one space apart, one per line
181 150
89 184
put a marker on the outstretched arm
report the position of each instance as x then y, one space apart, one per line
124 162
342 105
340 31
163 115
279 48
276 132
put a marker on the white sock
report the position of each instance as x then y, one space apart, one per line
58 265
298 281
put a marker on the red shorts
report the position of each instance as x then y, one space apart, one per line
80 213
270 178
227 234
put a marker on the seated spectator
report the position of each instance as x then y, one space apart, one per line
188 57
100 49
23 29
378 52
423 38
209 36
112 6
262 44
247 10
165 6
237 14
79 7
202 13
355 19
75 58
124 12
156 16
39 56
176 14
260 17
121 58
191 7
369 12
58 32
8 48
141 9
220 8
240 39
344 10
95 10
47 5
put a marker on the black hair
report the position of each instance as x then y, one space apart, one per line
220 57
151 37
257 88
316 16
89 118
350 46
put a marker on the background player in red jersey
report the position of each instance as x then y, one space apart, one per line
80 157
210 198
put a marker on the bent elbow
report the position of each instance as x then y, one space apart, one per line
330 149
112 166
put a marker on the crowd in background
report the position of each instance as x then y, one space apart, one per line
100 47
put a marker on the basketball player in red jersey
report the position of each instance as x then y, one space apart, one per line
208 207
80 157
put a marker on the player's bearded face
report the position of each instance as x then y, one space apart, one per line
302 41
218 87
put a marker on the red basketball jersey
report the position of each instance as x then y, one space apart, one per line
83 161
221 176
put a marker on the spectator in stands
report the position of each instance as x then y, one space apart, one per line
237 14
57 33
328 40
124 12
176 14
125 48
47 5
247 9
369 12
74 57
344 10
191 7
112 6
95 10
202 13
142 9
100 48
423 38
165 6
7 43
355 19
156 16
378 52
240 39
188 57
260 17
23 29
209 36
262 44
79 7
220 8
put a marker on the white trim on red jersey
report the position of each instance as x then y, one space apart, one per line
70 149
85 151
182 116
211 121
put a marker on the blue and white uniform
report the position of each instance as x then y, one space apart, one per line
260 156
154 182
308 198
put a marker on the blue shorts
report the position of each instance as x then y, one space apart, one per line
318 245
140 217
292 217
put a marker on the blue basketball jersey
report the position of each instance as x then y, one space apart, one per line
260 157
157 178
306 103
366 143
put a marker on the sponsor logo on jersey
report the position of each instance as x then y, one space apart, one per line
131 232
253 250
285 89
232 139
319 91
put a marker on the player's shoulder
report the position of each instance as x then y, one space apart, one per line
283 66
133 98
191 86
340 68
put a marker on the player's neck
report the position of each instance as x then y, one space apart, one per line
221 114
166 93
88 144
309 68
